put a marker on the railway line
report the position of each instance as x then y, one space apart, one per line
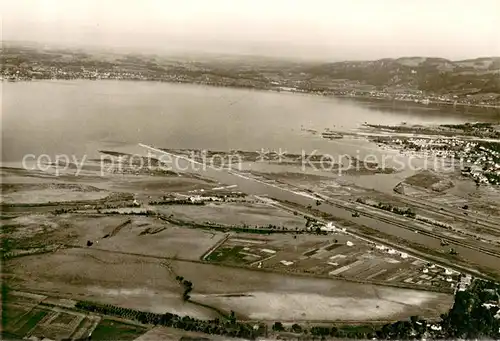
489 223
414 228
410 251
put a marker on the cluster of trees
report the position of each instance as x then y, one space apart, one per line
481 129
262 229
469 126
494 153
265 229
226 196
62 211
177 202
227 326
490 145
310 221
319 231
144 213
188 287
352 332
471 317
408 212
492 177
435 222
473 313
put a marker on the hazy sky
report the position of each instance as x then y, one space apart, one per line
346 29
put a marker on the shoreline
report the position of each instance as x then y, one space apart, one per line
430 105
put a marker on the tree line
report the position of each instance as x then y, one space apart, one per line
408 212
474 315
227 326
188 287
178 202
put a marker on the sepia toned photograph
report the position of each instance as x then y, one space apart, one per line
238 170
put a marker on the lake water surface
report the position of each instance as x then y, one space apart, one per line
78 117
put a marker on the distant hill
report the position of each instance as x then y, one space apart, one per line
472 81
437 75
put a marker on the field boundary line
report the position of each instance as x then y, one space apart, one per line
270 271
215 247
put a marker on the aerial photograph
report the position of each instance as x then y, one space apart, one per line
249 170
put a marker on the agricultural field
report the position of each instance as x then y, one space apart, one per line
30 315
337 256
236 250
241 213
133 234
93 182
148 237
154 186
172 334
110 330
261 295
138 282
325 184
47 193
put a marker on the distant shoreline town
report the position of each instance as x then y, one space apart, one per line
411 97
359 95
421 81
